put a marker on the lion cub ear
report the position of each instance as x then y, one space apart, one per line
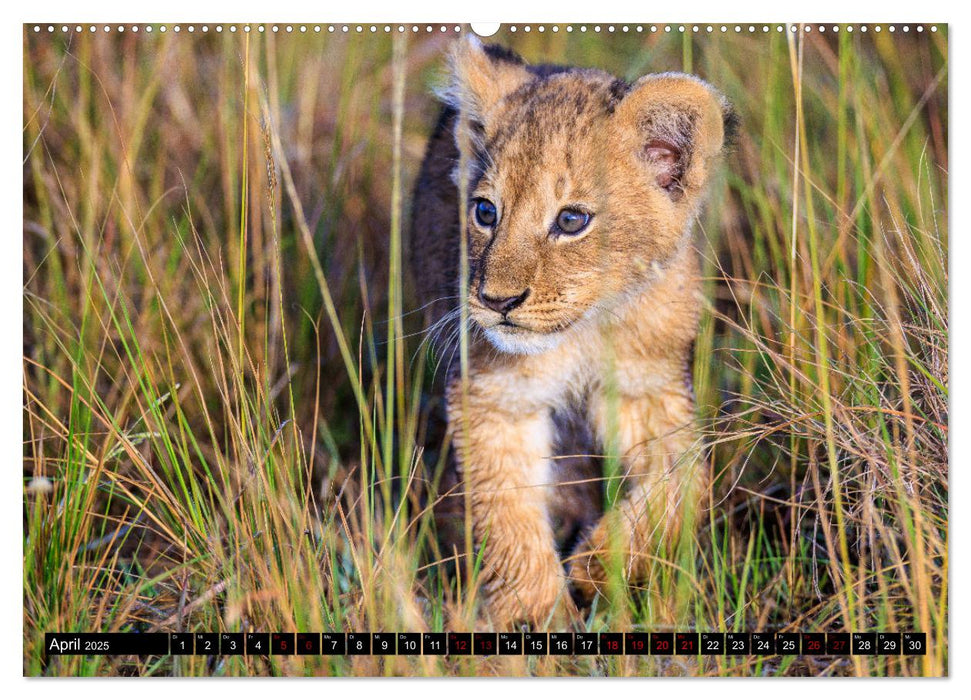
481 76
677 125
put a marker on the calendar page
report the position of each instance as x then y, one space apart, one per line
440 350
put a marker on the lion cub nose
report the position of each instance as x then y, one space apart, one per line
502 305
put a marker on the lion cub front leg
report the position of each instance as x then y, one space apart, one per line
664 479
505 463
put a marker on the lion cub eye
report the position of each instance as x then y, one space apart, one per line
485 213
571 221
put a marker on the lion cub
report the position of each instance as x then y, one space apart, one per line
583 296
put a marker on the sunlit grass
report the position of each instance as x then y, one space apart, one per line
224 381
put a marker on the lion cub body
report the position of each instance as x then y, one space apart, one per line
583 291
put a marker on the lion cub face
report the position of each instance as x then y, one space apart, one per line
580 187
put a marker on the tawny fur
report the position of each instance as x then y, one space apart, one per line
609 320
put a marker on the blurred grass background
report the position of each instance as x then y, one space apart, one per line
226 401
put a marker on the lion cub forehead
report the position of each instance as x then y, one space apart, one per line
558 100
554 118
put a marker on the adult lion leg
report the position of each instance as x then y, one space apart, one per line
665 477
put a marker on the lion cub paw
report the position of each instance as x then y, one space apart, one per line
507 611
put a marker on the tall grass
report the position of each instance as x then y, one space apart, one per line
228 417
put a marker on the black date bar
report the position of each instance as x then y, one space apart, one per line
106 644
